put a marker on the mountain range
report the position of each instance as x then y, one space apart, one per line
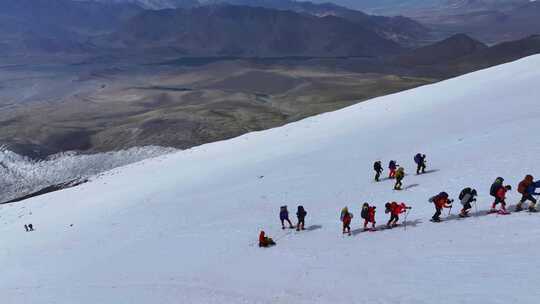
491 21
124 27
56 26
410 7
152 4
462 54
247 32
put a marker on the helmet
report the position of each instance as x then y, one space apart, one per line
474 193
387 205
443 194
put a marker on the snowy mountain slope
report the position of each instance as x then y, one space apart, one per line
181 228
20 176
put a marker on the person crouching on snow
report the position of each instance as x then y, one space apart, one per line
265 241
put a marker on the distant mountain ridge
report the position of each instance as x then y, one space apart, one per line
402 30
449 49
410 7
399 29
152 4
117 28
491 21
249 32
462 54
57 26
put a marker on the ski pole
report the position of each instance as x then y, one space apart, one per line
450 211
476 207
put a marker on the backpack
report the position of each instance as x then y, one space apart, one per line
435 198
522 187
377 166
418 158
301 211
365 212
494 188
392 164
464 192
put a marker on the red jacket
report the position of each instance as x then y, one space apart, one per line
397 209
347 218
261 237
501 193
441 203
371 214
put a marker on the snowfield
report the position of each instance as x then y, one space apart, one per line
182 228
20 176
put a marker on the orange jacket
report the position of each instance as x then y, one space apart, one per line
441 203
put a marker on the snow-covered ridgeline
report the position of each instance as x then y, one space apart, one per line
20 175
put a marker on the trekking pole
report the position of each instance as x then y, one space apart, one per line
283 235
405 220
450 211
476 208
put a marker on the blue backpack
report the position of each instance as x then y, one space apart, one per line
418 158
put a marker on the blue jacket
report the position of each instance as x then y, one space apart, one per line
532 188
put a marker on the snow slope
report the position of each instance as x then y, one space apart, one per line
181 228
20 176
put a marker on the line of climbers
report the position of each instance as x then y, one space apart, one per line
397 172
527 188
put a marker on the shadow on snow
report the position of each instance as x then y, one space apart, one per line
412 224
